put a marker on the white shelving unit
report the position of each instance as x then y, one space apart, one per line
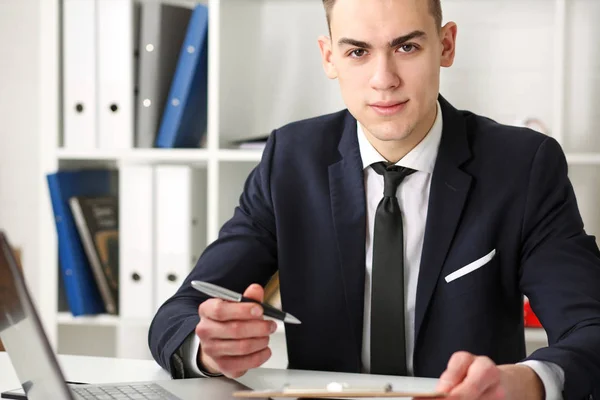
66 318
152 156
515 60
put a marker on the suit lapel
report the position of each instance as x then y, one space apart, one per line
448 193
346 183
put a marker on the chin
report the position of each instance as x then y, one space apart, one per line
388 132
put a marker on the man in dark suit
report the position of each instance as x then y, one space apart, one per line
405 233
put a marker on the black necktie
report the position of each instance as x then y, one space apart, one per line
388 348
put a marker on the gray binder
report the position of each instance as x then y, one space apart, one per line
162 32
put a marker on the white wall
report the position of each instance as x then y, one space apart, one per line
20 127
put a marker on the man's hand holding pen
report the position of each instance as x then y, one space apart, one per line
234 337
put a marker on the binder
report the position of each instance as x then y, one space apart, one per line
136 239
81 288
115 81
180 209
137 15
184 120
79 77
162 31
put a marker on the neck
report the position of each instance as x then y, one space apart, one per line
394 150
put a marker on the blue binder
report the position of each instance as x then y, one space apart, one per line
80 286
184 120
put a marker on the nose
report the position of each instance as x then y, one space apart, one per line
385 76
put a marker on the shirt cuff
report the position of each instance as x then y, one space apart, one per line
189 351
551 375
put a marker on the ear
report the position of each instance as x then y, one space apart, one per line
327 56
448 36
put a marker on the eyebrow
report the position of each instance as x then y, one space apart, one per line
394 43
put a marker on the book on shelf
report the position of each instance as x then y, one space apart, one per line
97 221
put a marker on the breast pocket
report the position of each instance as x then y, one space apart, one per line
477 274
467 269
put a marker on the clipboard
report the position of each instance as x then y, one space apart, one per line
331 395
335 391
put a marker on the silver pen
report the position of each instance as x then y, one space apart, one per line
219 292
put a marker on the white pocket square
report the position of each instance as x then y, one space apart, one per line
470 267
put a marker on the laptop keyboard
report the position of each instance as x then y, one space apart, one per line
141 391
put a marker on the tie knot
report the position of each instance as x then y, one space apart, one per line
393 175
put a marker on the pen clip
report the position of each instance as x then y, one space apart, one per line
216 291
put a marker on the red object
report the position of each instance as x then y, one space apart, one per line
531 321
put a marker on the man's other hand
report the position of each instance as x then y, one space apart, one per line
473 377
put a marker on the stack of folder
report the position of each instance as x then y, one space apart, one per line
128 238
135 74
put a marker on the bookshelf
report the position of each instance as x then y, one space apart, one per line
66 318
515 60
178 156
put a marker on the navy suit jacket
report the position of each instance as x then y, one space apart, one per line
302 212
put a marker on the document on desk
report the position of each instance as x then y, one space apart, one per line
280 383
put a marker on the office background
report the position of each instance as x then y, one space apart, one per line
531 62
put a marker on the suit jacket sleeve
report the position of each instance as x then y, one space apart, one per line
560 274
244 253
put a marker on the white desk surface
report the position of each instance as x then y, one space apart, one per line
111 370
91 370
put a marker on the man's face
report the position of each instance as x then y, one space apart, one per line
387 55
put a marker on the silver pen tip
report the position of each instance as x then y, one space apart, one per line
290 319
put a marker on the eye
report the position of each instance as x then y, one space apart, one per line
358 53
408 48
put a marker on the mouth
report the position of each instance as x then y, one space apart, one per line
388 108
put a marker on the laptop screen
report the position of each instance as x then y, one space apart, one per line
23 336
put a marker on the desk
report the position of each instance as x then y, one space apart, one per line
110 370
91 370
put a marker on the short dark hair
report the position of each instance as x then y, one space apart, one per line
435 8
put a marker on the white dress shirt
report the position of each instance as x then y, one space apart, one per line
413 197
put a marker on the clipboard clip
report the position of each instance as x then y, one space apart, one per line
338 387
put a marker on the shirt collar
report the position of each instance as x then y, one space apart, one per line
421 158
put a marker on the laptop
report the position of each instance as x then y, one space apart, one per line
38 370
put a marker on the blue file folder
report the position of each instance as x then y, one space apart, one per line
184 120
80 286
